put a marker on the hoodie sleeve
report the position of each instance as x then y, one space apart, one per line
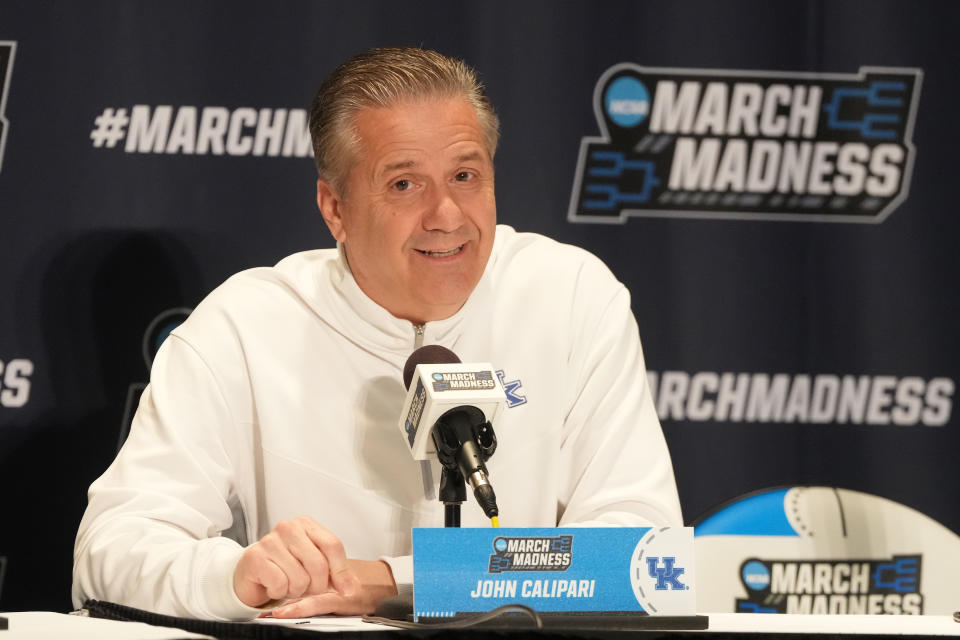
617 466
150 536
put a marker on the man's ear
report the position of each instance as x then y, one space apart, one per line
330 208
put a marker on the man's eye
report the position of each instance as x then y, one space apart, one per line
402 185
463 176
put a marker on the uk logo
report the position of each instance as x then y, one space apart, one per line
6 70
511 389
667 574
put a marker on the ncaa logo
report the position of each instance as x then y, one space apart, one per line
627 101
6 70
755 575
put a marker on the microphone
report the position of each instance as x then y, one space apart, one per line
449 410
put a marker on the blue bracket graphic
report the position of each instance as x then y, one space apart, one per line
874 98
618 164
904 578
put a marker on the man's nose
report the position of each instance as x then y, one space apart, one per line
444 212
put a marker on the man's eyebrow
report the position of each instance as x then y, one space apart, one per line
471 156
394 166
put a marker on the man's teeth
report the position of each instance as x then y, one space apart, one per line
442 254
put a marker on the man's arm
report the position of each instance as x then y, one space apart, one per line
618 467
150 537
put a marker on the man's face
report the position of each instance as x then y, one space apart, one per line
417 214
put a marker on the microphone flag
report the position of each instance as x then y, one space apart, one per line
435 388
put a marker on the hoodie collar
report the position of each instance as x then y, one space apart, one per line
375 329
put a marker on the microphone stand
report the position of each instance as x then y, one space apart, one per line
453 491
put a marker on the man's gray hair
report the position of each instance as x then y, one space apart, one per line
384 78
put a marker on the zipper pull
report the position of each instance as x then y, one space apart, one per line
417 336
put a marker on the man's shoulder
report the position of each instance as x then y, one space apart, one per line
538 257
264 294
297 273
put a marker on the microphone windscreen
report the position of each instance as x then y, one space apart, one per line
429 354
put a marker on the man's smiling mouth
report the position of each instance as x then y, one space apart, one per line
442 254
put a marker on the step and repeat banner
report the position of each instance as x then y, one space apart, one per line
773 182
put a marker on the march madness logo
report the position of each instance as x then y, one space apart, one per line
6 70
698 143
531 554
463 381
832 586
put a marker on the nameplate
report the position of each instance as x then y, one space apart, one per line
639 570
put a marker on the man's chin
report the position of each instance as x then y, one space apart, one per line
442 301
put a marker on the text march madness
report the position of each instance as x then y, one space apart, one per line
700 143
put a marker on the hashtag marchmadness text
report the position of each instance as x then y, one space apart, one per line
801 398
191 130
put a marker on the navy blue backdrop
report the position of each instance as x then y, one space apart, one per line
151 149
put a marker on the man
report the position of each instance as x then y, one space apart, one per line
271 412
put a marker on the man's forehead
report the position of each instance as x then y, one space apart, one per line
405 112
414 132
411 162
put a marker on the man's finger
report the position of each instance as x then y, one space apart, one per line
341 577
345 581
329 602
297 578
295 534
253 579
274 580
314 563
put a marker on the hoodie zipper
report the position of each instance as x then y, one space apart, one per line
417 336
426 472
